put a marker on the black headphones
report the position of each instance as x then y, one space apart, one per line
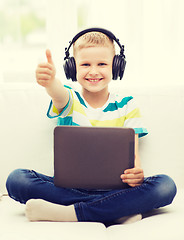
119 61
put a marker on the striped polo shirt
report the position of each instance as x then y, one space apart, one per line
118 111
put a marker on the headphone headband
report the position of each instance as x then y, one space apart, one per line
102 30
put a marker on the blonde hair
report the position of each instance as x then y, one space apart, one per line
92 39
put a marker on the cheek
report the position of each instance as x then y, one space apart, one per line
107 72
80 73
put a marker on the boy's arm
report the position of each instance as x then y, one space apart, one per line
45 76
134 176
137 162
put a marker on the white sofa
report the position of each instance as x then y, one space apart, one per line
26 136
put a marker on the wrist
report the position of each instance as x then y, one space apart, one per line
53 87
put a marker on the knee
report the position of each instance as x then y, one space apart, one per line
13 178
166 188
16 182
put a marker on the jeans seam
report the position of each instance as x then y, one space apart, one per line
113 195
33 173
79 206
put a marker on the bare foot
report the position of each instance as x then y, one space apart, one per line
41 210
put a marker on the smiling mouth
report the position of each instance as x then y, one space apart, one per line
93 79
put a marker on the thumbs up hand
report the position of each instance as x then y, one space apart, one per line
46 72
49 57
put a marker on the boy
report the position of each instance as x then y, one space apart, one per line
93 53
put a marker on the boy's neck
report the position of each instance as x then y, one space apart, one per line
97 99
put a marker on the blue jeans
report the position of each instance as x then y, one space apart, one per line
95 206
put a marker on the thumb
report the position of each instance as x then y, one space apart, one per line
49 56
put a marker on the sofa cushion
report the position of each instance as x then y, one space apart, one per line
162 224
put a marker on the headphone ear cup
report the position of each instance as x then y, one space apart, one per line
115 68
118 67
66 70
70 69
122 67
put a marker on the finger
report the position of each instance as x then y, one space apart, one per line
43 77
132 176
43 71
133 171
133 181
49 57
45 65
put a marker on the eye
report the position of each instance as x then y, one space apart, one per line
85 64
102 64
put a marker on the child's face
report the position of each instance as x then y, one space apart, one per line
94 68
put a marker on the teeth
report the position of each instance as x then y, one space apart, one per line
93 80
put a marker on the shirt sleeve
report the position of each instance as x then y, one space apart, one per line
53 111
133 119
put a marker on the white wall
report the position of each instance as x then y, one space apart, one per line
61 27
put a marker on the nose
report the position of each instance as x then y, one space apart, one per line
93 71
